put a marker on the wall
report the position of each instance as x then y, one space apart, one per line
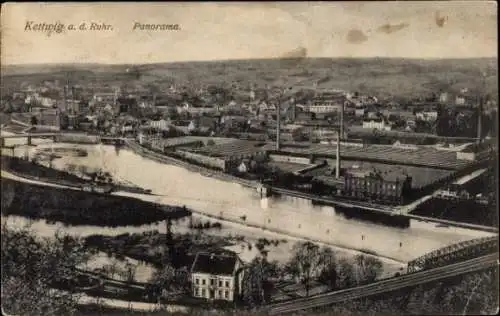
471 156
466 156
75 138
284 158
214 162
220 285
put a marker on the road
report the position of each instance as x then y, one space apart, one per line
385 285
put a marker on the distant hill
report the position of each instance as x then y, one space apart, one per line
378 76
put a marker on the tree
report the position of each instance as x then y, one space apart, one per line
345 274
111 269
129 274
210 142
162 279
328 275
309 261
256 281
72 168
367 268
32 266
82 169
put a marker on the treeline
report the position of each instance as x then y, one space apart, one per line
470 294
467 211
456 124
31 265
33 169
309 266
81 208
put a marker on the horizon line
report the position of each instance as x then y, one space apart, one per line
247 59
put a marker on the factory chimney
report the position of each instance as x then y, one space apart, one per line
479 119
278 125
115 101
341 131
65 97
73 92
337 166
480 109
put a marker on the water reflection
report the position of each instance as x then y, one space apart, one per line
281 214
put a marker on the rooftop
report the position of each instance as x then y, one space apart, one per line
216 264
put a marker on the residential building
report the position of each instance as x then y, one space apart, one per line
187 108
377 123
460 100
161 125
126 104
359 110
247 165
443 98
216 276
429 116
321 107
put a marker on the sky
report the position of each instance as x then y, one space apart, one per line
220 31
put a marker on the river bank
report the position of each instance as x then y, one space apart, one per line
219 175
81 208
174 185
400 218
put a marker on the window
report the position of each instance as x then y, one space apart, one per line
197 291
197 281
212 281
227 283
203 292
220 284
226 294
203 281
220 293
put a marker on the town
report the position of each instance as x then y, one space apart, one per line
249 159
369 158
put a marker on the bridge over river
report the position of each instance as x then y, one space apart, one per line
61 136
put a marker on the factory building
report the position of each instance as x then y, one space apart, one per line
370 186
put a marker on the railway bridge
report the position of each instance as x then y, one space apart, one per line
56 137
461 258
455 253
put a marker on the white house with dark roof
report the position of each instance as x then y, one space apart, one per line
216 276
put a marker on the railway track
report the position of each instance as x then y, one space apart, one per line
385 285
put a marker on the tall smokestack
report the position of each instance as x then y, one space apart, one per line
337 167
480 108
65 97
278 126
479 119
342 120
73 99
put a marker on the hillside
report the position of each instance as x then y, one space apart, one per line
378 76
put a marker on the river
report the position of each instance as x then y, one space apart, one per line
231 201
